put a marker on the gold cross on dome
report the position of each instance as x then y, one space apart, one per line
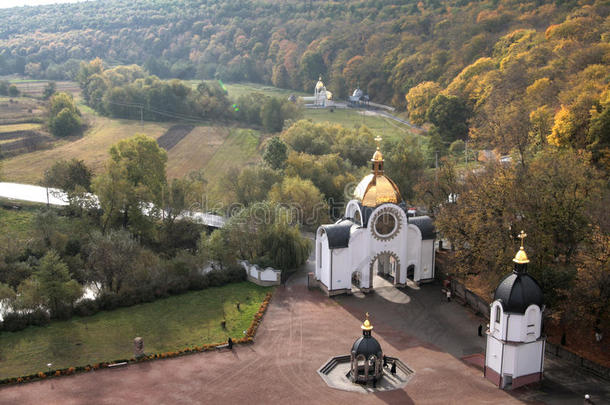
522 236
367 315
378 140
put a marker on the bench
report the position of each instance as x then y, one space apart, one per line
123 363
220 347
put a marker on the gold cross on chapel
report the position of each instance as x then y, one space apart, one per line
522 236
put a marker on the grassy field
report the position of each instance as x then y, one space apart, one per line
92 148
350 118
239 149
195 150
19 127
17 223
165 325
237 89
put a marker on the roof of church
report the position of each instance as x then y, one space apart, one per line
517 291
367 345
425 225
338 233
376 188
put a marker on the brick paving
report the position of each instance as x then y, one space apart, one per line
300 331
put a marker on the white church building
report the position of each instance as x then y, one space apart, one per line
321 97
515 345
375 237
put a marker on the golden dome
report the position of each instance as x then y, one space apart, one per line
366 325
377 189
320 84
521 256
377 156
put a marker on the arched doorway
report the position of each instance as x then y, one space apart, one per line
384 270
356 279
411 272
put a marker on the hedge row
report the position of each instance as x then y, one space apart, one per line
15 321
249 338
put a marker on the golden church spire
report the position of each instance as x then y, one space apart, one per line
521 256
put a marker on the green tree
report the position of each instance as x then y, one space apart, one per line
49 90
64 117
112 259
134 176
68 175
404 163
52 285
275 153
449 114
13 91
303 199
271 115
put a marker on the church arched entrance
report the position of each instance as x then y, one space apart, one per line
384 269
411 272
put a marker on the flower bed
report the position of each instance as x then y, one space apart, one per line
248 338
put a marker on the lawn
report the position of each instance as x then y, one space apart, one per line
349 117
165 325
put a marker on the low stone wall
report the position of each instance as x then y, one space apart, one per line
577 360
478 304
263 277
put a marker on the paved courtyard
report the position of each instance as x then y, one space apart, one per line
300 332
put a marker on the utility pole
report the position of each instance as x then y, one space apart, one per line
142 115
466 153
436 166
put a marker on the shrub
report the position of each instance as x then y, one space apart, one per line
86 307
14 321
38 317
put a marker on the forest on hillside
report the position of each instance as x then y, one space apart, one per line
514 69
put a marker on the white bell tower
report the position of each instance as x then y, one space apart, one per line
515 345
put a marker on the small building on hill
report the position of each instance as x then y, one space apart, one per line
321 97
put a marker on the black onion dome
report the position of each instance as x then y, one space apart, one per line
367 346
517 291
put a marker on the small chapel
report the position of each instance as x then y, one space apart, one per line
515 343
321 96
374 239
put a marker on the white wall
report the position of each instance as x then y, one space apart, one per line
427 259
269 274
515 325
529 358
493 354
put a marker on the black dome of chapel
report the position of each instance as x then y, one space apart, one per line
367 346
517 291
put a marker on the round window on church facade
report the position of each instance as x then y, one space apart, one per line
385 224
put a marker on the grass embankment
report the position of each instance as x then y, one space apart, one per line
17 223
165 325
